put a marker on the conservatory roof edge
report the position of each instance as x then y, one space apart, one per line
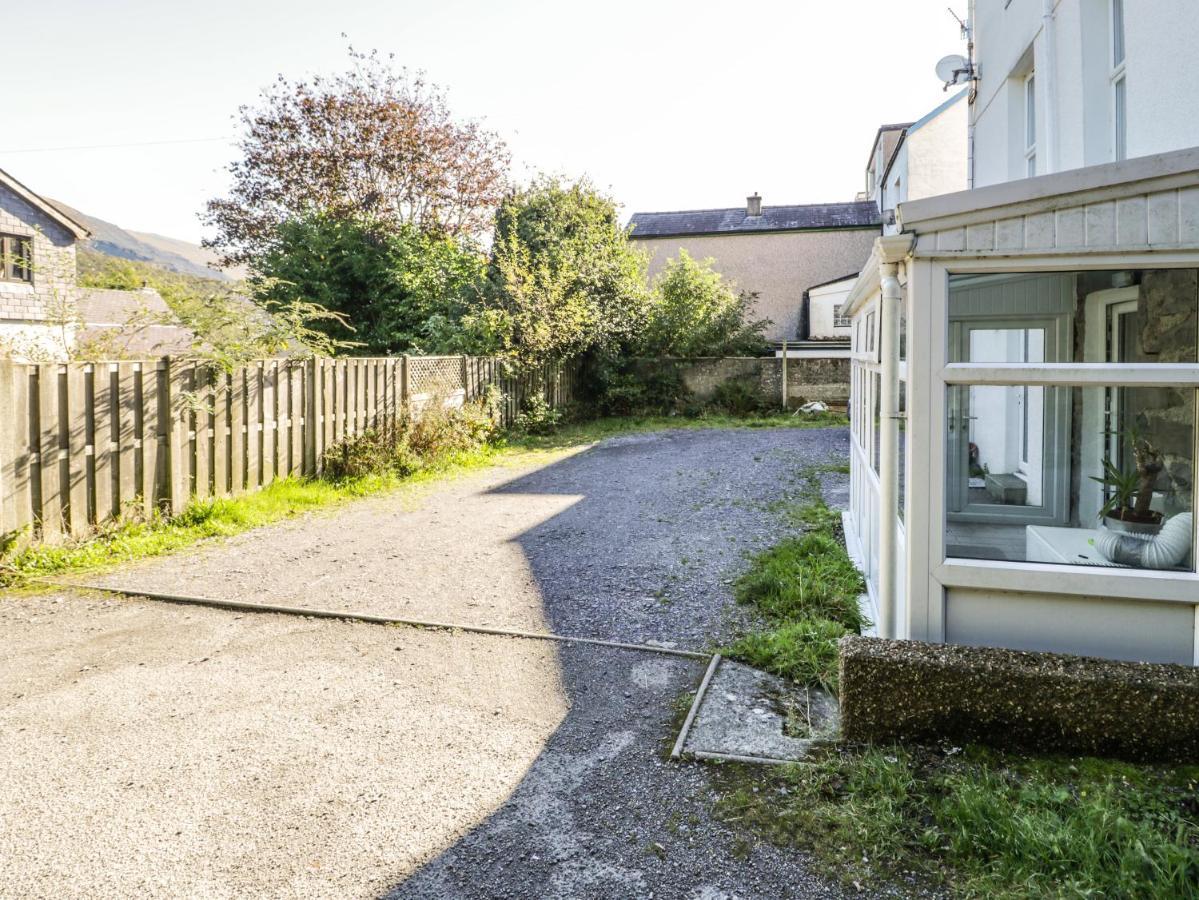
1044 193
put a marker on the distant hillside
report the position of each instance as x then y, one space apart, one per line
139 246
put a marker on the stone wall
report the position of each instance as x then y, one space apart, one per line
807 379
53 262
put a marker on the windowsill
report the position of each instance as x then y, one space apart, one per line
23 287
1151 585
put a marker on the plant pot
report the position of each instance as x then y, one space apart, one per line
1144 529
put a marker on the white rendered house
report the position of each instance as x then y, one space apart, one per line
1022 348
927 158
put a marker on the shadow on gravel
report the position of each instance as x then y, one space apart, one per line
647 555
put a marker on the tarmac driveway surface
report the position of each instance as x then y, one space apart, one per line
176 751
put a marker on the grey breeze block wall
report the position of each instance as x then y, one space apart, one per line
807 379
778 266
53 261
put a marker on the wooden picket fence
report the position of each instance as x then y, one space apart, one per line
82 444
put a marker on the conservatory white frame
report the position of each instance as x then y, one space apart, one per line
1137 214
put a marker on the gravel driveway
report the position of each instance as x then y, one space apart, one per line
321 761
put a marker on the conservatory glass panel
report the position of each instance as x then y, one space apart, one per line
1142 316
1116 478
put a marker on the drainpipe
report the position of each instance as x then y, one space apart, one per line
1047 76
971 97
888 467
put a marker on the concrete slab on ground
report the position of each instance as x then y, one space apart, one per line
752 715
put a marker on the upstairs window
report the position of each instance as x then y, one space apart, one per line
1030 124
16 258
840 320
1119 91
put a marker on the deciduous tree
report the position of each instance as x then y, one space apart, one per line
372 142
563 278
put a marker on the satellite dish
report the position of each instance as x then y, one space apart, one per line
954 69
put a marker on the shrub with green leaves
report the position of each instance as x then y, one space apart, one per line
411 443
739 397
399 289
563 278
694 312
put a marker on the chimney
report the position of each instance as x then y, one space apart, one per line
753 205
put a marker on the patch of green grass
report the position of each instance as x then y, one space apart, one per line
980 822
804 650
130 540
574 433
805 588
222 517
804 577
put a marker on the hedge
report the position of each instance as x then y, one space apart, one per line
1048 702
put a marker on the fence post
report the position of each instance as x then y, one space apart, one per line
465 380
786 389
178 442
14 458
404 385
311 426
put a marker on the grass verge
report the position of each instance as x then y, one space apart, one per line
980 823
130 540
805 590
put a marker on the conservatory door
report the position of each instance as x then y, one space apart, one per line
1006 452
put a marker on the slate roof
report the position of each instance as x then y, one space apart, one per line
130 324
857 214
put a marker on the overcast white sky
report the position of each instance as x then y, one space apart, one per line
669 105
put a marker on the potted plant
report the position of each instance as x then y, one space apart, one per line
1129 494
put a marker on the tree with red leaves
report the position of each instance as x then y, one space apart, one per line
371 142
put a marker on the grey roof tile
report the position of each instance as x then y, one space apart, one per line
856 214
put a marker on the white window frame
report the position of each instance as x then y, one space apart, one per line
947 573
1118 92
839 320
1030 123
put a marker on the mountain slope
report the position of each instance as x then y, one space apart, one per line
164 252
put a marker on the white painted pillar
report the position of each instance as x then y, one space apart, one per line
888 467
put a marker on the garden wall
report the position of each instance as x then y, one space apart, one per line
1048 702
807 379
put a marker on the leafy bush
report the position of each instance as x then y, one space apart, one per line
563 278
622 388
411 444
695 312
537 416
399 289
738 397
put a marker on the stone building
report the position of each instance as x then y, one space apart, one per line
44 315
774 251
37 269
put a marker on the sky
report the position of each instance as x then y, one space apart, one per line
666 105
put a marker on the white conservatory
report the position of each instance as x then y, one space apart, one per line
1024 388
